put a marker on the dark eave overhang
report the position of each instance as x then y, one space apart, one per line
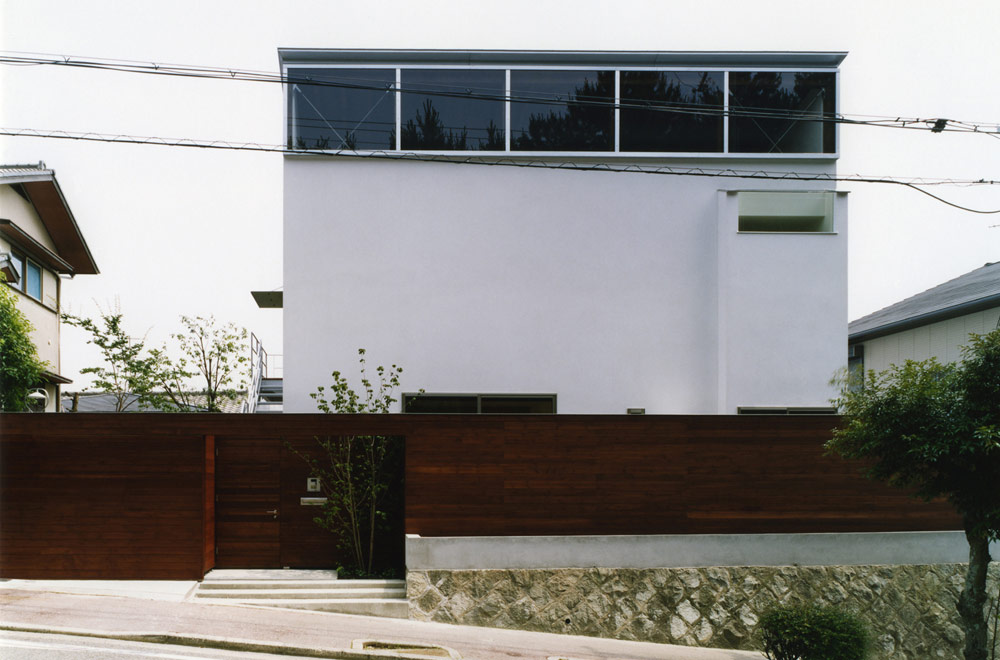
33 248
935 316
53 377
728 59
46 196
269 299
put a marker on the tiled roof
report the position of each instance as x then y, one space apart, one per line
979 289
16 171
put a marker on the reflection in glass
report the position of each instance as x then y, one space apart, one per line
33 281
671 111
774 112
341 109
562 110
452 109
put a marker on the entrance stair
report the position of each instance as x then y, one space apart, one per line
304 590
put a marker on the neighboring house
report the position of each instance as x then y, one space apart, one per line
935 323
87 402
41 244
535 289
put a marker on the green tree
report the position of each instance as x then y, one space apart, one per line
361 476
214 355
210 370
129 372
935 428
20 368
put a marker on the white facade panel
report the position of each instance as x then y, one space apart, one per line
605 289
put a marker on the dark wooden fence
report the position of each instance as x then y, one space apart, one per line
134 495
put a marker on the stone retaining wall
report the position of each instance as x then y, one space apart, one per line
910 609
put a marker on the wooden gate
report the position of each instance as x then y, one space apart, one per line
248 502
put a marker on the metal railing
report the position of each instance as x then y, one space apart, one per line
258 372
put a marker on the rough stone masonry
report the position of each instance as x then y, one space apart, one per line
909 608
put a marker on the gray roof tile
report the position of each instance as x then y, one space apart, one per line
963 294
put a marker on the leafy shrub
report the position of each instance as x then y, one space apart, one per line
808 632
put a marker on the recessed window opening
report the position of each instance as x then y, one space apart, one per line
786 212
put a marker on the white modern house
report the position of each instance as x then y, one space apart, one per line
563 231
40 246
935 323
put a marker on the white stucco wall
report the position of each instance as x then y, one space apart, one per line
782 312
603 288
942 340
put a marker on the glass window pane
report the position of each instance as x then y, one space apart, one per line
17 261
33 280
341 109
562 110
672 111
453 109
777 112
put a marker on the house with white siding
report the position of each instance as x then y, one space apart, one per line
935 323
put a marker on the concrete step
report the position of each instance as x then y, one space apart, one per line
316 590
395 608
274 574
270 584
299 594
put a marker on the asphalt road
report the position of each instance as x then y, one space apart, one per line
35 646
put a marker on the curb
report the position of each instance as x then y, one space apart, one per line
224 643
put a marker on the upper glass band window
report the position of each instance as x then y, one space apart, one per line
671 111
337 109
782 112
453 109
562 110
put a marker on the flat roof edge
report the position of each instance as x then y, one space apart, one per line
808 59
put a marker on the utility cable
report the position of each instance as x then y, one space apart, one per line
936 125
506 161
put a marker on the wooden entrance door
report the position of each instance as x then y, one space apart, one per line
248 499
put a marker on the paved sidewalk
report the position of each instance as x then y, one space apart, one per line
159 612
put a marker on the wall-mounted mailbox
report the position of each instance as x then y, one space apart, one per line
312 501
312 485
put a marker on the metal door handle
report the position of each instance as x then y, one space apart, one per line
273 512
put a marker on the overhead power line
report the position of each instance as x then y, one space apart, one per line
934 125
500 161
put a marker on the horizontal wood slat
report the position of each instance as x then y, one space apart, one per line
105 495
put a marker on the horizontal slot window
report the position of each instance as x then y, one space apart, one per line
486 404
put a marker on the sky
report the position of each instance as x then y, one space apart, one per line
191 232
